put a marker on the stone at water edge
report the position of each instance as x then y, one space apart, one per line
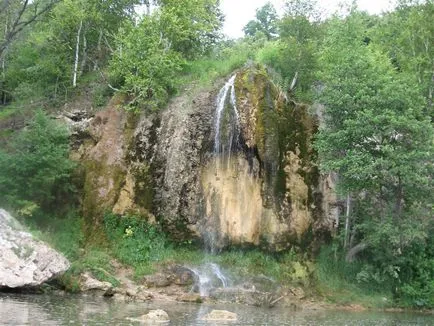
88 283
190 297
25 261
220 315
153 316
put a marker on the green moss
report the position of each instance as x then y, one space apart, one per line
99 176
143 188
280 126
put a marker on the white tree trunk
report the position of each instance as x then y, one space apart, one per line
98 48
84 55
347 221
294 82
77 50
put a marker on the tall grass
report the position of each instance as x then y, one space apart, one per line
220 63
336 280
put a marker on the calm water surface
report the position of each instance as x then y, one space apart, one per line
18 309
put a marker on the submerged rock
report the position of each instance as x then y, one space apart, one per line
25 261
220 315
153 317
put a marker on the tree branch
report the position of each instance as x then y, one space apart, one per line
354 251
20 22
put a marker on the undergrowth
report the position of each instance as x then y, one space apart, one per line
65 235
336 280
134 242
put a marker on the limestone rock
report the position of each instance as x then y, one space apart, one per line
25 261
88 283
78 122
154 316
182 275
220 315
268 193
157 280
190 297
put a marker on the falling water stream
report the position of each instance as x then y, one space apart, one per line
233 131
226 141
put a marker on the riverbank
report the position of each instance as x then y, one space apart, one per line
137 263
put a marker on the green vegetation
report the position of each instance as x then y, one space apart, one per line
65 234
135 242
379 140
337 281
34 167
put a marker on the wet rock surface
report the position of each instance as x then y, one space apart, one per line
220 315
265 190
25 261
153 317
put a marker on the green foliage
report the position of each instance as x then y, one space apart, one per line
380 142
265 22
220 63
146 64
405 35
191 27
135 242
35 168
151 55
294 54
339 281
286 268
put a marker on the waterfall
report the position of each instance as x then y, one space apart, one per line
226 132
209 276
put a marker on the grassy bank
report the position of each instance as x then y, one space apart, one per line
134 243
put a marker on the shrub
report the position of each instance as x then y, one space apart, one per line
35 168
135 242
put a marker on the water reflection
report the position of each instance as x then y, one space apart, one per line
81 310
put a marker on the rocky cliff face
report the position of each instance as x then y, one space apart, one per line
247 176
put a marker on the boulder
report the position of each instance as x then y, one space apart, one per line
182 275
158 280
153 317
88 283
190 297
220 315
25 261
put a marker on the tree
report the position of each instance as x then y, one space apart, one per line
17 15
407 35
74 38
146 64
149 56
380 142
265 22
35 167
294 54
192 27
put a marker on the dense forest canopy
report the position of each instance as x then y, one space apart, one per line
372 76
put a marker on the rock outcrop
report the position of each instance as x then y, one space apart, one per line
266 191
25 261
156 316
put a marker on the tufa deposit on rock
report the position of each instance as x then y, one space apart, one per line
260 187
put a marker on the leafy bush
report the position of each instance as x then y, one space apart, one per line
35 168
135 242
